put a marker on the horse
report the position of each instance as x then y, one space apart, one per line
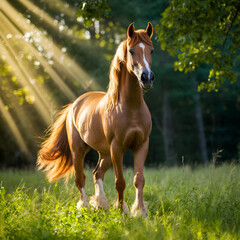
109 122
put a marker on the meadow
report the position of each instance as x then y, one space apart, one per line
183 203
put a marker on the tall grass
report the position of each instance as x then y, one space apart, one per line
183 204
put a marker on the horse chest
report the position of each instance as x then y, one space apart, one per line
133 137
133 129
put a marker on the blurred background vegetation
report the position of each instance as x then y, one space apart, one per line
53 51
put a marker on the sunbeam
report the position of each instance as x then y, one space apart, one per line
23 77
61 60
14 129
55 77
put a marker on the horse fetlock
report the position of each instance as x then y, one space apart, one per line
123 206
139 209
82 204
99 202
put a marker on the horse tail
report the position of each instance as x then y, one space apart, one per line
54 157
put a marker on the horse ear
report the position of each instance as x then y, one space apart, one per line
149 29
130 30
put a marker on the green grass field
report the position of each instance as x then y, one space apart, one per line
183 204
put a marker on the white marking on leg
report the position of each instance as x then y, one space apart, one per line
83 195
136 210
83 200
137 199
99 188
137 195
99 200
141 45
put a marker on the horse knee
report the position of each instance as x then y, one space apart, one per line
139 180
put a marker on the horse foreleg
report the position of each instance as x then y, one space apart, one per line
140 155
99 200
117 160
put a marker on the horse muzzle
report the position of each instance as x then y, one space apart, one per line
147 79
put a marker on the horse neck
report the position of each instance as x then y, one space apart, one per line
130 92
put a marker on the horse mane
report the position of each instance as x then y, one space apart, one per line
121 58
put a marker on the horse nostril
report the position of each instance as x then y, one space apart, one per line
152 76
144 76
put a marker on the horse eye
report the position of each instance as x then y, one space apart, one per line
131 51
152 51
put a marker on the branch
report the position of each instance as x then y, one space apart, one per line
234 18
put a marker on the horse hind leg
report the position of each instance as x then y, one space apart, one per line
78 151
78 162
99 200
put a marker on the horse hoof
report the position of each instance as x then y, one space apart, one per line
82 204
139 211
99 202
124 207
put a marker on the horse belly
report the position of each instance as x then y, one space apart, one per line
91 132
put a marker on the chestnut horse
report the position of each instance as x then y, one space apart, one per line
110 123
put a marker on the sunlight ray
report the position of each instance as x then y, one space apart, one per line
55 77
17 54
65 63
21 113
21 74
14 129
62 7
39 12
46 17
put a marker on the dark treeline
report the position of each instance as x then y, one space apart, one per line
56 58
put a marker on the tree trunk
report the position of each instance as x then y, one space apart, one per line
170 155
200 125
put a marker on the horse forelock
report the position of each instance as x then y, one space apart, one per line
139 36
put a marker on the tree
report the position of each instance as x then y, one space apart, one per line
200 125
93 9
203 32
169 149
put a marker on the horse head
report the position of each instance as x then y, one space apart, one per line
139 54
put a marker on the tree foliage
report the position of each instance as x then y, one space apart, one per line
203 32
93 9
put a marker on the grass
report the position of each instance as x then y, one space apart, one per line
183 204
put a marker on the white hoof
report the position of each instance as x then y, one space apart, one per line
82 204
138 211
99 202
125 207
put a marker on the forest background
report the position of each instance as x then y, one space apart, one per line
53 51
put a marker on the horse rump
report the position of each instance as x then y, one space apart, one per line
54 157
